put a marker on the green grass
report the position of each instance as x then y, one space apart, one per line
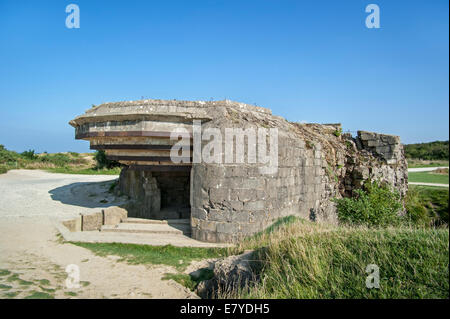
178 257
427 177
16 278
427 205
11 294
44 282
5 287
48 289
70 293
13 277
39 295
190 281
309 261
24 282
183 279
4 272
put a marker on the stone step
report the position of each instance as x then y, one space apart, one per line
134 220
146 228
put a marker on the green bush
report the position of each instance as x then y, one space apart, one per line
374 205
7 156
338 132
438 150
103 162
427 206
58 159
416 212
29 155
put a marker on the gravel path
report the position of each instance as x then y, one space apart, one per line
32 258
428 184
424 169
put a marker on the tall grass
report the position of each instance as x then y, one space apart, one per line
427 206
305 260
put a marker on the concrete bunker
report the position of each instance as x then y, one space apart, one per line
224 201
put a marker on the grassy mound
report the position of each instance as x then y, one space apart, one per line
67 163
304 260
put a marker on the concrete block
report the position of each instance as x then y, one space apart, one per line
218 215
208 225
218 195
199 213
255 205
227 228
92 221
73 225
114 215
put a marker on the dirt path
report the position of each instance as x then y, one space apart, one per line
33 259
425 169
428 184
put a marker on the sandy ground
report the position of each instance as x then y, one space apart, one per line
33 259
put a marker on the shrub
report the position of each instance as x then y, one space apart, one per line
427 206
29 155
103 162
337 132
58 159
7 156
416 212
375 205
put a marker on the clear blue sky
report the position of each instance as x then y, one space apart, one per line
311 61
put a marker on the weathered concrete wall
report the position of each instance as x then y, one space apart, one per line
156 195
142 188
230 201
315 164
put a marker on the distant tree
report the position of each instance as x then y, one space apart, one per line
438 150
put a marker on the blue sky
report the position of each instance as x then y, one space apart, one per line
312 61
